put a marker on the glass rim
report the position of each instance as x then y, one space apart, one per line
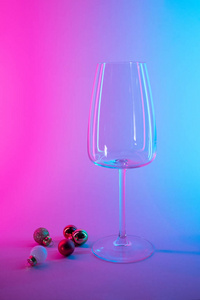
122 62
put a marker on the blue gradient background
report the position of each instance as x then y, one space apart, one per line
48 59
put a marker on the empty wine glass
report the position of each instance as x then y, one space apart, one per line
122 135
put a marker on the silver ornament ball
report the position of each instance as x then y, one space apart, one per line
79 236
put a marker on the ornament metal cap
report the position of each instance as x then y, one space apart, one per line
47 241
32 260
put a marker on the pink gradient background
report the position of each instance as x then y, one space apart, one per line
48 56
50 51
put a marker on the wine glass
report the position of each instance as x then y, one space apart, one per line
122 135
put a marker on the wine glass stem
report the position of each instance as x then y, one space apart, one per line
122 239
122 220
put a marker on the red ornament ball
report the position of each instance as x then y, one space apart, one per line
66 247
68 230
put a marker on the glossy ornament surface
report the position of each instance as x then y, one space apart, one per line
79 236
66 247
41 236
68 230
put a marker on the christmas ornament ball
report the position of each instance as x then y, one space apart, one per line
68 230
38 255
41 236
79 236
66 247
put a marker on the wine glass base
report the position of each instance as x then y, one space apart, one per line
135 250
